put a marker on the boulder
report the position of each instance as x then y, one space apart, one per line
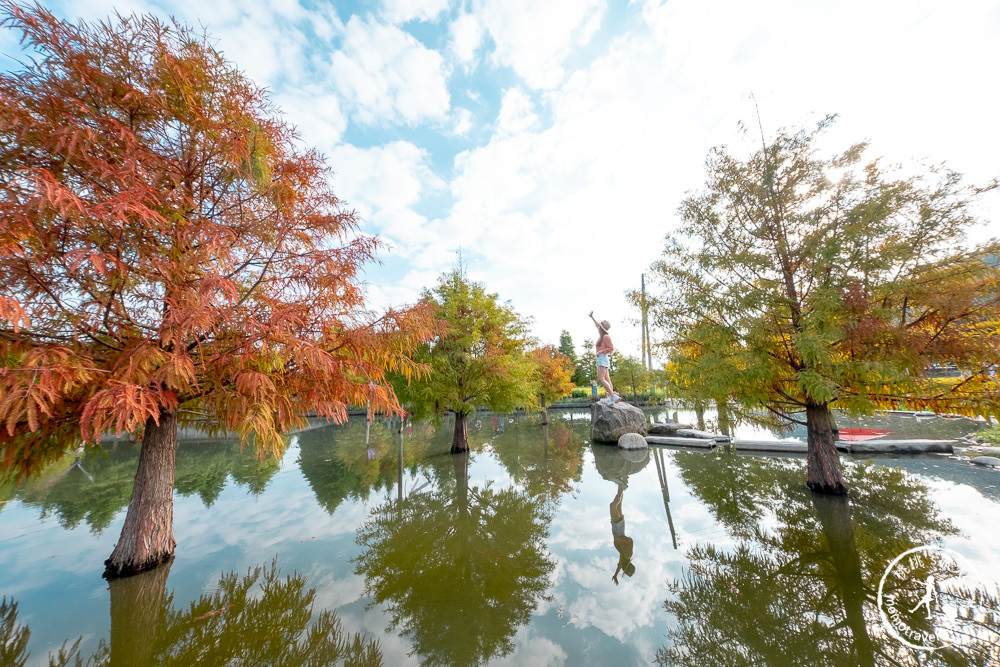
991 451
610 422
632 441
988 461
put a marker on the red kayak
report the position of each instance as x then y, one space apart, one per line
859 434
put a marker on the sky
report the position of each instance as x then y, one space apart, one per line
548 143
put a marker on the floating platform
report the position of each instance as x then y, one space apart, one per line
792 447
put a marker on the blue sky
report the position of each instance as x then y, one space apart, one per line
551 141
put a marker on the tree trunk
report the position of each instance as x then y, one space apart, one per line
723 410
545 413
699 411
137 607
147 538
824 462
460 441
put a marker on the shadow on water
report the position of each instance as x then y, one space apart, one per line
259 618
801 584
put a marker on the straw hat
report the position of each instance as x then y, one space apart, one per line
606 325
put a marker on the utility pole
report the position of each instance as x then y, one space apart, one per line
647 354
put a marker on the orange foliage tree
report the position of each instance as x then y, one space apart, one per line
555 372
170 254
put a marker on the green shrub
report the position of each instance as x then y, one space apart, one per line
990 435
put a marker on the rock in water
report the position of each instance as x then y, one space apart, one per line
610 422
632 441
988 461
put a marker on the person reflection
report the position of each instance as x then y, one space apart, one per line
623 543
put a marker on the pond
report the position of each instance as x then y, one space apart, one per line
538 548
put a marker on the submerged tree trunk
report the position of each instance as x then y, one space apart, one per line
699 411
545 413
834 515
824 474
460 441
461 463
147 538
137 607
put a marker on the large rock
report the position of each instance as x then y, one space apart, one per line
610 422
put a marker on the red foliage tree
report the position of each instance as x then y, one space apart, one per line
169 253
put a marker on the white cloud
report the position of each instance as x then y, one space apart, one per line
316 113
517 113
390 177
385 74
587 199
461 122
401 11
466 35
534 37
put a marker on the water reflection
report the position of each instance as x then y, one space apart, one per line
548 465
800 586
353 460
259 618
615 465
458 568
92 488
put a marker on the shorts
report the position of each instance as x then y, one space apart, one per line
602 360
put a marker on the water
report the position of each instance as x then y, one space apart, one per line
539 548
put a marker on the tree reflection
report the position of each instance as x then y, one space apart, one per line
544 459
800 586
352 460
459 569
260 618
92 488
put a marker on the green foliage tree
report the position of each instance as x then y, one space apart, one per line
803 284
478 358
579 377
587 364
628 374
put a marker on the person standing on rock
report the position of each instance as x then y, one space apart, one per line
604 348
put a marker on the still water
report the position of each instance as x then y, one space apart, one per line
537 549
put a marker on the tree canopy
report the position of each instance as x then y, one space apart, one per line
170 253
478 357
802 283
566 347
555 371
